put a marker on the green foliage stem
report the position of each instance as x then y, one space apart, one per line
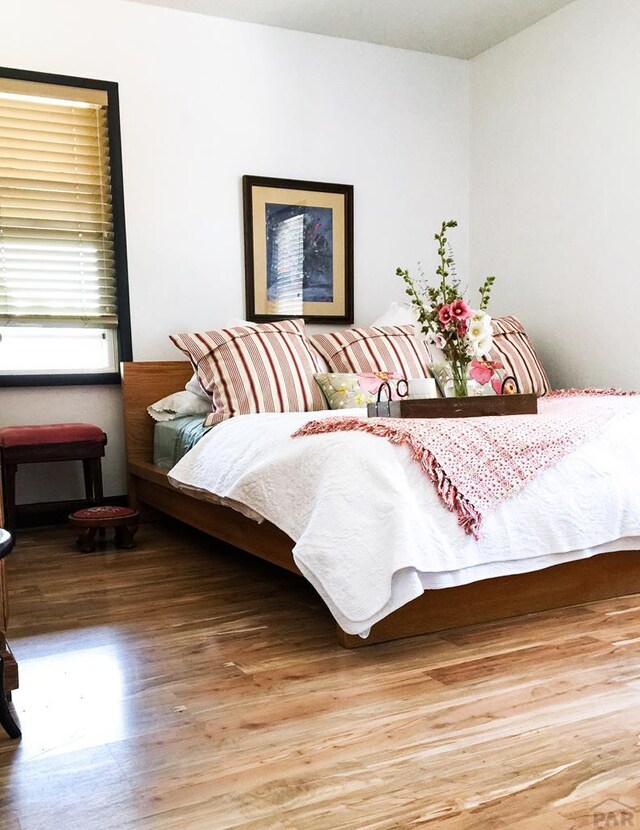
485 292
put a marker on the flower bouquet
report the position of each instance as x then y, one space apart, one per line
462 333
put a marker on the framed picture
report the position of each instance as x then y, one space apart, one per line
298 241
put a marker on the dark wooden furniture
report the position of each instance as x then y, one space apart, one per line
35 444
90 520
8 665
608 575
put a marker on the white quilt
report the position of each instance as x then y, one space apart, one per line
370 531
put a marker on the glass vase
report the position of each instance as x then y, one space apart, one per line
459 373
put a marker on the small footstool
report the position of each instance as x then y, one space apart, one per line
91 519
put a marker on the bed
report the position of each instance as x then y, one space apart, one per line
615 573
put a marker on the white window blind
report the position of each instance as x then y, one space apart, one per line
56 223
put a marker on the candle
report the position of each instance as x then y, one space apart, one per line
422 388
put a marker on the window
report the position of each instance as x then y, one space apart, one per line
64 305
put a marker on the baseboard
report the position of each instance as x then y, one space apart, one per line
55 512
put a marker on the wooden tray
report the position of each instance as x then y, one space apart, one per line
472 407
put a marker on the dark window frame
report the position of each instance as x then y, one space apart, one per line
125 351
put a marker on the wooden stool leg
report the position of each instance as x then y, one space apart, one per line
88 479
96 478
96 473
9 495
7 721
87 540
124 536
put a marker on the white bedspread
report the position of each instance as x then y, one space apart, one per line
370 531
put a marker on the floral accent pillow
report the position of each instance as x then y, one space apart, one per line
350 390
485 377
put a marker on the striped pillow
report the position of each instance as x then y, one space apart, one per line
513 348
257 368
393 349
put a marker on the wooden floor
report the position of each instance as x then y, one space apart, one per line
185 686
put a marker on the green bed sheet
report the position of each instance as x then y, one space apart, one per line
173 439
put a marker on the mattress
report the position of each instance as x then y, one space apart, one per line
173 439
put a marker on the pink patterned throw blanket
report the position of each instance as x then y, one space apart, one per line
478 463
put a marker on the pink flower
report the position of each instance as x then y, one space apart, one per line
460 310
462 328
444 315
439 340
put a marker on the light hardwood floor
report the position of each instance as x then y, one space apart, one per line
186 686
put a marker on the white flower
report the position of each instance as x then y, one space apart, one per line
481 346
480 320
480 334
477 331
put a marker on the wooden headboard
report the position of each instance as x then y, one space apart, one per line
144 384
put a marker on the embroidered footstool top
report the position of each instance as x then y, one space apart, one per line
106 515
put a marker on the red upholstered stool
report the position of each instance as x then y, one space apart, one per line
50 442
91 519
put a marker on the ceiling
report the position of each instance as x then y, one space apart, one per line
458 28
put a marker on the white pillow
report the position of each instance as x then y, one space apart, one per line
194 388
179 405
403 315
397 315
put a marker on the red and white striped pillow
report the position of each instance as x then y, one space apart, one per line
259 368
393 349
513 348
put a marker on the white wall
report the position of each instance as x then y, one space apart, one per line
555 189
204 101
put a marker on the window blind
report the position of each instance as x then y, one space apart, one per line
56 223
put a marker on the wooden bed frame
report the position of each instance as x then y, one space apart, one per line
600 577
